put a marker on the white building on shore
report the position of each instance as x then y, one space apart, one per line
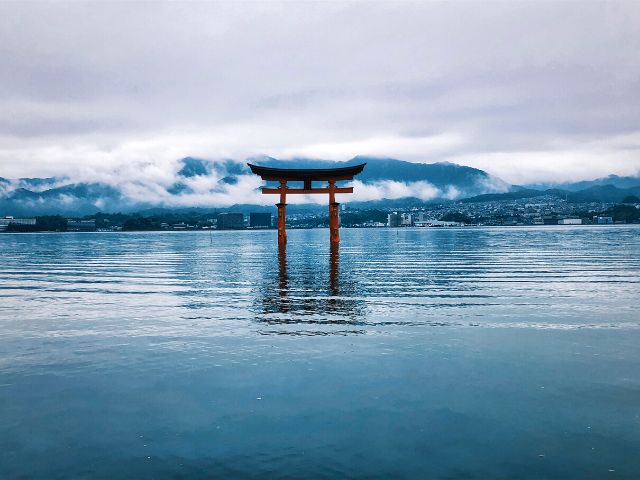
570 221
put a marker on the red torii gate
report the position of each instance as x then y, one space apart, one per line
307 175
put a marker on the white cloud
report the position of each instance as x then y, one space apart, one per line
119 92
392 190
557 165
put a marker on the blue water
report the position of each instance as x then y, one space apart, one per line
415 353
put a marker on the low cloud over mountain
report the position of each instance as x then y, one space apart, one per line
204 183
192 182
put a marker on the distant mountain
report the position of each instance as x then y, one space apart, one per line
192 167
513 195
202 183
444 175
73 199
600 193
227 171
195 179
603 193
614 180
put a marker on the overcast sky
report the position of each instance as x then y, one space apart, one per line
537 91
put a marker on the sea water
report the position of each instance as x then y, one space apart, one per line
445 353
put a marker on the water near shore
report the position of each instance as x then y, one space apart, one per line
427 353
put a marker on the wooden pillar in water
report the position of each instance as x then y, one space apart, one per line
334 260
334 222
282 213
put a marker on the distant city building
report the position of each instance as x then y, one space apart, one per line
602 220
396 219
259 220
393 219
230 221
420 217
374 224
427 222
6 221
405 220
570 221
74 225
443 223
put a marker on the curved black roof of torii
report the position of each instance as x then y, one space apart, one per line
301 174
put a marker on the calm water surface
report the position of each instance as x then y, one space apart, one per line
429 353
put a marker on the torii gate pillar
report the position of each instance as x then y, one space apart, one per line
334 219
282 214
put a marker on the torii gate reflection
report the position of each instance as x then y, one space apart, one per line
283 277
307 176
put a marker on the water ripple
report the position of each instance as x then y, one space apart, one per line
115 283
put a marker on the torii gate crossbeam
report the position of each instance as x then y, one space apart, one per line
307 176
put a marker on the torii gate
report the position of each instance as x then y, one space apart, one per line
307 175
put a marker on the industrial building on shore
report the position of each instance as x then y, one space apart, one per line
6 221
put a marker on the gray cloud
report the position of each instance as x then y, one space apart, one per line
111 91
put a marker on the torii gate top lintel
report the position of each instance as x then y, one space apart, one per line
303 174
307 175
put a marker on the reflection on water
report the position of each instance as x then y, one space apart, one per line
378 279
310 296
410 353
